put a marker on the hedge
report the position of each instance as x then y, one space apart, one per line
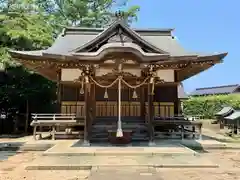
207 106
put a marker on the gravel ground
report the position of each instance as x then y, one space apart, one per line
13 169
229 161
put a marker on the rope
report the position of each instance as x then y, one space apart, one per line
114 82
102 86
136 86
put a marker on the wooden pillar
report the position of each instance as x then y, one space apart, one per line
58 108
91 108
34 132
142 101
53 132
93 101
221 122
87 124
182 132
179 107
27 117
86 140
150 112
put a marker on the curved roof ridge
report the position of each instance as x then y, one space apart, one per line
129 30
72 28
119 45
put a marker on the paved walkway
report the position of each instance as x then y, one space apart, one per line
210 133
68 148
86 162
124 174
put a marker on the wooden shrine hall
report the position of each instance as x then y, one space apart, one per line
122 82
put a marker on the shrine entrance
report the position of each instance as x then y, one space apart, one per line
117 79
107 102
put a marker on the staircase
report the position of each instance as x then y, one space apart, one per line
101 126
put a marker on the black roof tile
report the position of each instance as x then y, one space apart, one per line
227 89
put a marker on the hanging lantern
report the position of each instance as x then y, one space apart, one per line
106 94
134 94
82 90
151 80
3 115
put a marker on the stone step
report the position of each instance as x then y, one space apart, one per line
98 139
99 135
143 159
101 125
122 117
106 130
103 134
115 123
134 125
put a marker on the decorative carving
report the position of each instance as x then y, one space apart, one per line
124 74
120 38
121 15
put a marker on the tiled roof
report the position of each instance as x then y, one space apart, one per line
234 116
225 111
215 90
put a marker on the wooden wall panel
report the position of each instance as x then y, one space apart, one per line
110 108
72 107
71 93
162 109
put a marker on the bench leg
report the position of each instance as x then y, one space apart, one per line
53 132
182 132
40 136
200 133
34 132
193 130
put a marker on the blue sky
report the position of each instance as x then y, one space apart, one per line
207 26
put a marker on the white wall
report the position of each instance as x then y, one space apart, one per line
70 74
166 74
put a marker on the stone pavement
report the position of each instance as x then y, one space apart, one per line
68 148
87 162
214 135
125 173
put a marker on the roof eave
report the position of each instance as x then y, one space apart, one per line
20 55
217 56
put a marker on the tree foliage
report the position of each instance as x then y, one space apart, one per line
209 105
32 25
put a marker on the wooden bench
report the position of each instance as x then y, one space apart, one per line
55 121
183 126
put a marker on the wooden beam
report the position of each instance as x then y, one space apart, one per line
58 91
142 99
150 112
86 126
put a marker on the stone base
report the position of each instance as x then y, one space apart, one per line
151 143
86 143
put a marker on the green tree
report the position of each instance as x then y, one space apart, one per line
32 25
92 13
